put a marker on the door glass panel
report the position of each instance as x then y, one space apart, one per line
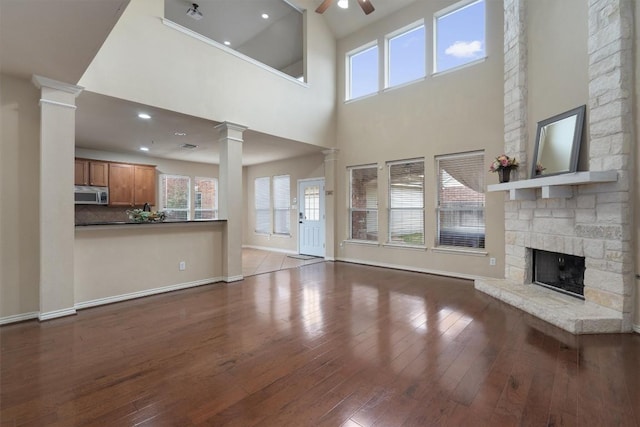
312 203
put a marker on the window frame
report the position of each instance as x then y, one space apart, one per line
390 208
449 10
351 209
348 68
163 196
215 212
387 53
480 249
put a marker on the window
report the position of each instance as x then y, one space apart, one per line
312 202
175 192
461 200
406 56
281 198
406 202
206 203
262 205
363 71
363 203
459 35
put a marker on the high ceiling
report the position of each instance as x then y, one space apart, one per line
59 38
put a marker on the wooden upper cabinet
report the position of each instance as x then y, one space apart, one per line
121 184
98 173
91 172
144 179
81 172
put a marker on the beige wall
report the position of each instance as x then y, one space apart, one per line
115 261
456 111
19 197
558 64
145 61
298 168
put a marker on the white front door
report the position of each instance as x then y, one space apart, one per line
311 217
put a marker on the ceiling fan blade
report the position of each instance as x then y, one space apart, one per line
366 6
323 6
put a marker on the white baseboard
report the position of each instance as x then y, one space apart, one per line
18 318
409 268
636 328
57 313
329 258
266 248
233 279
147 292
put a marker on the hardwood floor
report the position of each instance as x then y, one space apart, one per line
327 344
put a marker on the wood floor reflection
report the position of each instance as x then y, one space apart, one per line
327 344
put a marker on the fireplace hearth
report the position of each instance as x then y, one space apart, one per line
561 272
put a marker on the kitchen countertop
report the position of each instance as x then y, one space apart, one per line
195 221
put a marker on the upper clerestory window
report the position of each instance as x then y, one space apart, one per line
362 71
406 55
459 35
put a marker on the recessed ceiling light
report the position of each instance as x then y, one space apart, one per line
227 43
180 134
144 148
144 116
265 16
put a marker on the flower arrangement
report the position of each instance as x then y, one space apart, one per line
140 215
539 168
503 162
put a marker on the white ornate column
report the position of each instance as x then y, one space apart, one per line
330 170
57 223
230 197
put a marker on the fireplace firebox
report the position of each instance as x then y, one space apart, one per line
560 272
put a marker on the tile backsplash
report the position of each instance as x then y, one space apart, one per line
86 214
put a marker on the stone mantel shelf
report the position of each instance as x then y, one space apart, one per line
556 186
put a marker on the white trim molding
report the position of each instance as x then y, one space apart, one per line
59 104
145 293
265 248
57 313
40 82
409 268
18 318
230 279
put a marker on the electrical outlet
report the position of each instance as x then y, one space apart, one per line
183 266
492 261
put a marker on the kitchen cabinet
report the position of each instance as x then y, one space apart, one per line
131 185
91 172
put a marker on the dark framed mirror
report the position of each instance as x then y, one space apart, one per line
558 142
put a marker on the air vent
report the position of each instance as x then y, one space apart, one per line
188 146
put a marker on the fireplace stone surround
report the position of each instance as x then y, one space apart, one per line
593 220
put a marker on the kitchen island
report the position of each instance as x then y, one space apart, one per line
116 261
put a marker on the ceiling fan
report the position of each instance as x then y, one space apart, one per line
366 6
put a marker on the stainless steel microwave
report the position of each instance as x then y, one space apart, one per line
86 195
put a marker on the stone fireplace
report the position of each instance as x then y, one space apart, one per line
588 215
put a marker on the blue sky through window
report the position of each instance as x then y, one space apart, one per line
363 73
460 36
407 56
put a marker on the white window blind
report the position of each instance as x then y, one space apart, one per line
262 198
461 200
206 202
363 203
175 200
406 202
281 199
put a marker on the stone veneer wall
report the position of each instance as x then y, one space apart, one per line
597 221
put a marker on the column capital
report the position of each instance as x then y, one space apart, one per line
330 154
45 82
232 131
